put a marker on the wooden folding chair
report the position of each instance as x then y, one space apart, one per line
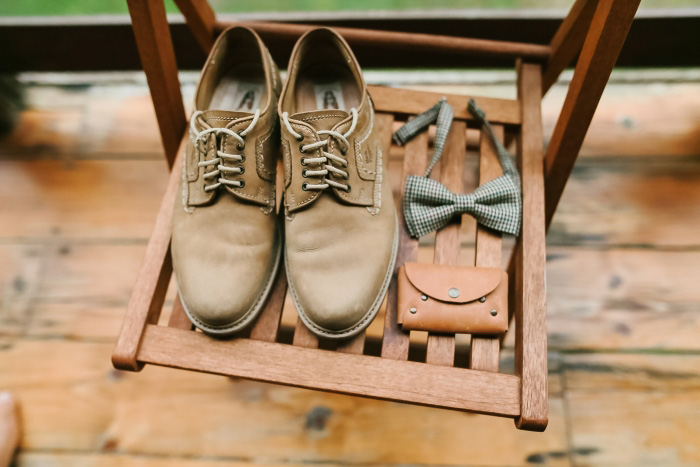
593 31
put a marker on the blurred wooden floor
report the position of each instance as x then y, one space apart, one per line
81 179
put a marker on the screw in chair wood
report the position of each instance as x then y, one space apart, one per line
594 31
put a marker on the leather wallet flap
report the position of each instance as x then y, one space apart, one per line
453 284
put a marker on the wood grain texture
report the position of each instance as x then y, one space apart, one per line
158 60
567 41
611 22
152 280
267 325
381 378
303 337
178 318
530 292
416 42
60 459
412 102
354 345
441 348
484 353
201 20
605 394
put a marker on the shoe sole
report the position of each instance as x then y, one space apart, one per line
254 311
366 319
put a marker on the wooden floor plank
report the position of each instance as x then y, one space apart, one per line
91 199
623 299
61 459
90 408
634 409
20 279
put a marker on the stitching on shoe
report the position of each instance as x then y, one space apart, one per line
361 141
321 117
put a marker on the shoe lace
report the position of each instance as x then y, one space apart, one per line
217 176
325 158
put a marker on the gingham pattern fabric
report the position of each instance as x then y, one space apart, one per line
443 113
428 205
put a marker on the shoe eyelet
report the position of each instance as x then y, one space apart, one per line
346 177
347 190
301 149
303 173
303 161
300 137
240 146
242 171
343 151
303 186
242 183
242 157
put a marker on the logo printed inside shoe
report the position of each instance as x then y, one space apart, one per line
329 96
245 99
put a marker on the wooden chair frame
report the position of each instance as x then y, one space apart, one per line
594 31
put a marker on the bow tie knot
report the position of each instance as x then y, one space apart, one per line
429 205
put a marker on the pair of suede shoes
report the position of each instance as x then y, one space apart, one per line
337 226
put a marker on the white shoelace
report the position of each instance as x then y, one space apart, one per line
220 170
325 156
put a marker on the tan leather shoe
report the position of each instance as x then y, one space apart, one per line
226 244
340 227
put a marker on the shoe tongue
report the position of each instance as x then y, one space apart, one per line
322 119
222 118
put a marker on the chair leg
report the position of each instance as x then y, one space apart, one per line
155 47
568 40
611 22
201 20
529 293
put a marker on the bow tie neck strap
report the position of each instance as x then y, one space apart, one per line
504 157
442 115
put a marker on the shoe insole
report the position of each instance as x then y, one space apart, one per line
326 87
241 89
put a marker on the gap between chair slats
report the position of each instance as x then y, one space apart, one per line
485 350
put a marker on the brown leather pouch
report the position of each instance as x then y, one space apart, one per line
452 299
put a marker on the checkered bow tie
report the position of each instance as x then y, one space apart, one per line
429 205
